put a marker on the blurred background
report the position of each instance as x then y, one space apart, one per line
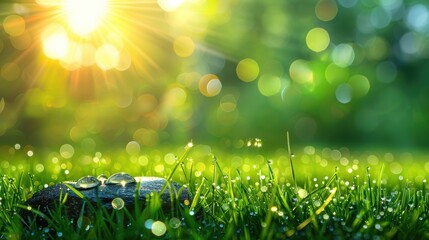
219 72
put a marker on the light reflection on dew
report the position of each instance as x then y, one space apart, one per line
55 41
148 224
302 193
158 228
107 57
344 93
40 168
174 222
120 178
30 153
210 85
418 18
14 25
184 46
360 85
133 148
317 39
301 72
118 203
84 222
269 85
247 70
380 18
67 151
87 182
343 55
326 10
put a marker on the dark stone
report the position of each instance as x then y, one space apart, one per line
48 199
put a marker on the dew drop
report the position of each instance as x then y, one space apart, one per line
102 178
84 223
120 178
87 182
174 222
148 224
317 203
118 203
225 207
158 228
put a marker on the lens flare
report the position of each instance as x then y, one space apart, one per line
84 16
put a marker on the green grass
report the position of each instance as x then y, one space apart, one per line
242 194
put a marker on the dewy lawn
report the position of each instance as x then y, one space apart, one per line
247 194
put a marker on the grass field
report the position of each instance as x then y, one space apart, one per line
240 193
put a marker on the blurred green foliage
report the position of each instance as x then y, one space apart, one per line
333 72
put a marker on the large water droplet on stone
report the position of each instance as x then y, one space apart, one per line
118 203
87 182
102 178
120 178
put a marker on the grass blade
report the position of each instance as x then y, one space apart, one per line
318 211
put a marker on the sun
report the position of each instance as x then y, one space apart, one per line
84 16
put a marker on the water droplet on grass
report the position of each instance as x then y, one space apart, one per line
158 228
317 203
174 222
87 182
148 224
84 222
118 203
225 207
120 178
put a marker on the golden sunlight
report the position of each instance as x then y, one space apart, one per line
55 41
84 16
108 34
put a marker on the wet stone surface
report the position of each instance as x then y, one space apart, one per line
107 194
